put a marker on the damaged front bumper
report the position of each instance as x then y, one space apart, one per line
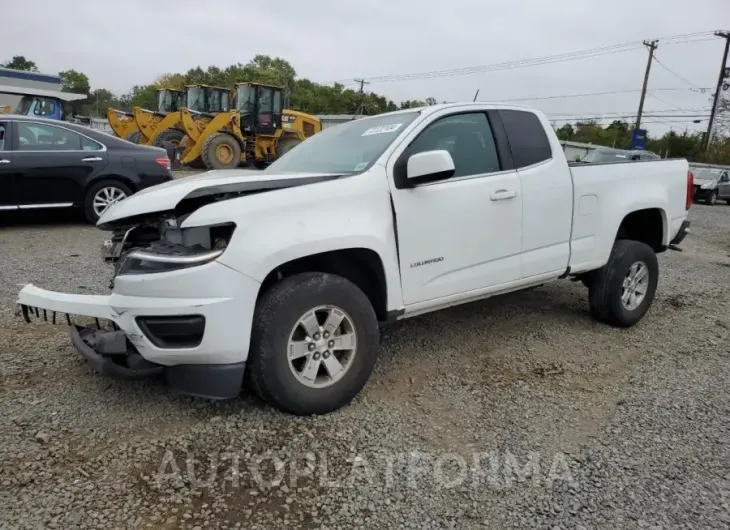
190 326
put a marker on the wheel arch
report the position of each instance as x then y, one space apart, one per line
647 225
362 266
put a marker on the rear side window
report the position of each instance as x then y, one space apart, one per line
527 139
42 137
87 144
3 131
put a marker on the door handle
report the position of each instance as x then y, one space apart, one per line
92 159
501 195
4 161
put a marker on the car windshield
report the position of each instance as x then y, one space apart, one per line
347 148
705 174
602 155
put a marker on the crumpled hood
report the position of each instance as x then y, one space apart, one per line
702 182
166 196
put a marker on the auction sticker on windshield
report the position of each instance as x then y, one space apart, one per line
382 129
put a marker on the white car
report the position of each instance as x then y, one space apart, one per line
284 275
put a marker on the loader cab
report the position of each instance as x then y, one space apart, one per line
41 107
260 107
169 100
207 99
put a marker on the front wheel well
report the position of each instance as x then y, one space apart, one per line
361 266
646 226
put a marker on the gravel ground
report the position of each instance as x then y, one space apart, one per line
518 411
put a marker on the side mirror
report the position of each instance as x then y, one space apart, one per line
429 166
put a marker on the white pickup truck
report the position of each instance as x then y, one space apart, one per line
283 275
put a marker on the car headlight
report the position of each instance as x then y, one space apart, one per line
708 185
146 262
181 249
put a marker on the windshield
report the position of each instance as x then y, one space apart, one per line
196 99
348 148
25 105
164 101
218 100
705 174
599 155
245 99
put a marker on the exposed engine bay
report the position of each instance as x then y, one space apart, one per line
155 241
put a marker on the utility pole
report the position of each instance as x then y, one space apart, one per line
720 80
652 45
362 94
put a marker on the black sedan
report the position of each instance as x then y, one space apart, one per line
54 164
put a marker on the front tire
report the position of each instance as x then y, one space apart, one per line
313 345
623 289
134 137
712 199
221 151
172 135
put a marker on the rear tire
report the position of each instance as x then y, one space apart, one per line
114 187
276 378
609 294
174 136
221 151
134 137
285 145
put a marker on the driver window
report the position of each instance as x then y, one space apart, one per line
467 137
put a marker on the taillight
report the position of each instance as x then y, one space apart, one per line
163 161
690 190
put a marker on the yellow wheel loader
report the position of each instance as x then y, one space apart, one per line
139 125
123 124
179 132
257 131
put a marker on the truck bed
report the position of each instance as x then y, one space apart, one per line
604 193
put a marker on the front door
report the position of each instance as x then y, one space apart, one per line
53 164
7 192
464 233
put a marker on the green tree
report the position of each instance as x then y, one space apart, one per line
73 81
144 96
19 62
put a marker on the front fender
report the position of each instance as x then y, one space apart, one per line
277 227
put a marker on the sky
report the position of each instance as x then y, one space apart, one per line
124 43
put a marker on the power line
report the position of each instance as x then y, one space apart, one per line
662 101
536 61
627 116
675 74
562 96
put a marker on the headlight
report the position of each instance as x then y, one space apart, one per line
708 185
180 249
146 262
